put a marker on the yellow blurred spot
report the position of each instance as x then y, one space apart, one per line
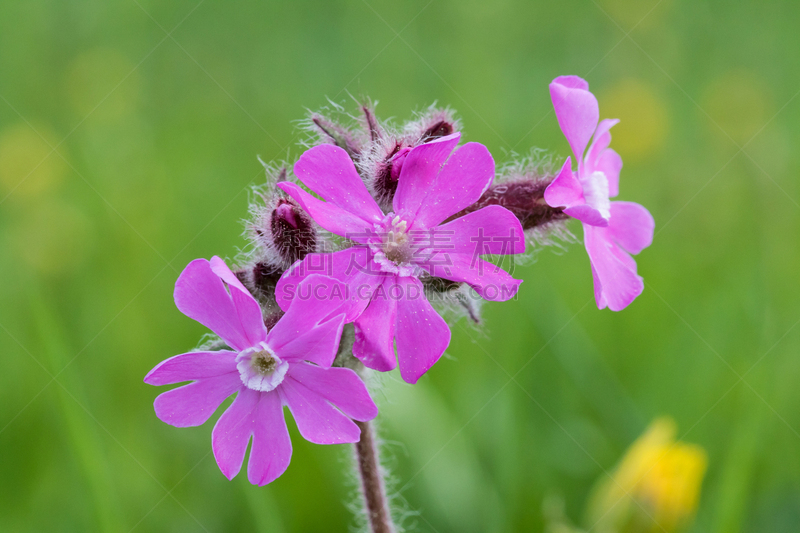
54 238
27 166
643 118
102 84
738 103
656 486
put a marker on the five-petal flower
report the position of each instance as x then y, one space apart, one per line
391 251
287 365
612 230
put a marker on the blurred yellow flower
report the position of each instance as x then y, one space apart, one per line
655 487
28 164
644 118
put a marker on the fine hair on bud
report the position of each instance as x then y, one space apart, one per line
280 233
519 187
280 230
332 125
382 159
377 148
431 124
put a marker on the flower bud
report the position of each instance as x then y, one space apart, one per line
442 128
263 278
332 133
272 318
431 124
285 232
385 183
371 123
524 198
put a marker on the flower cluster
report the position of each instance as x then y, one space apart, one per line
376 228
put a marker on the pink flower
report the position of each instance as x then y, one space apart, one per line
612 230
289 365
391 251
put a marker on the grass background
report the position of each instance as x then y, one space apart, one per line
129 131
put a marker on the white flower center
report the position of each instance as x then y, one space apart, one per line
260 368
395 252
595 192
396 246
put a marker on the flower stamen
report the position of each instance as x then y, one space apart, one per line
260 368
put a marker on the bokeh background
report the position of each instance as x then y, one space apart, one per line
129 131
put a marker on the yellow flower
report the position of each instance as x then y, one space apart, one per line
655 487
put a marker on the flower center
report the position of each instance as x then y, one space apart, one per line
260 368
394 250
396 244
263 362
595 192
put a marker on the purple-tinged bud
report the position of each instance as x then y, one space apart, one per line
284 212
523 197
443 128
261 279
396 164
385 184
430 125
272 318
264 278
333 133
292 232
372 125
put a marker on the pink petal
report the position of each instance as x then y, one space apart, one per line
311 328
422 335
374 330
221 269
490 230
572 82
193 404
600 157
316 419
329 216
598 290
318 343
328 171
618 283
234 428
565 190
577 113
610 164
271 451
201 295
489 281
353 267
462 181
602 138
192 366
340 386
587 214
419 171
631 226
247 308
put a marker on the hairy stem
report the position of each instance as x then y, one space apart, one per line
380 521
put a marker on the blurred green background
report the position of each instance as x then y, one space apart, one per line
129 131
